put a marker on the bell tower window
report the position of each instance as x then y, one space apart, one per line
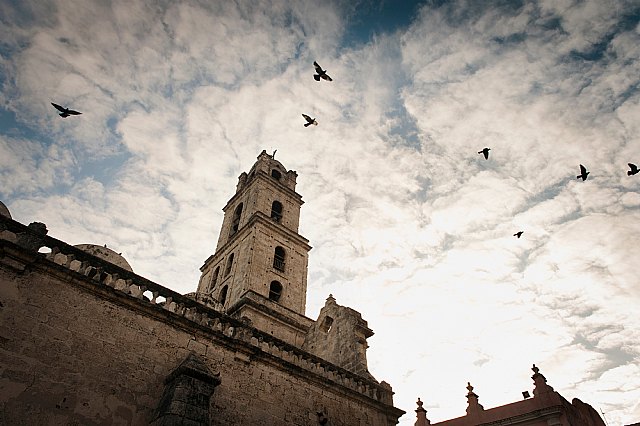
276 211
278 259
223 295
276 174
214 278
235 223
227 270
275 291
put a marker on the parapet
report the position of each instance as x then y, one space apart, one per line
145 295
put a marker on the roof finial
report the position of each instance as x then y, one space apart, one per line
472 399
540 382
421 414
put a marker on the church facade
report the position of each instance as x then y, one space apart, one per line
86 341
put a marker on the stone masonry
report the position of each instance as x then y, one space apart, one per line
85 342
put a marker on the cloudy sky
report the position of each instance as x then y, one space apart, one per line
409 225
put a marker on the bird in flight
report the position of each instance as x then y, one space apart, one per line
320 73
65 112
583 173
310 121
634 169
518 234
485 152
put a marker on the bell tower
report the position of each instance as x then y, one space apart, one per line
259 268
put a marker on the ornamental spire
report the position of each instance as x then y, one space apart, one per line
472 399
421 414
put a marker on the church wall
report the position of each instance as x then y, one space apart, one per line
75 351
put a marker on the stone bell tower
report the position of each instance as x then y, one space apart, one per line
259 268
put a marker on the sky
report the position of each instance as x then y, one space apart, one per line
409 224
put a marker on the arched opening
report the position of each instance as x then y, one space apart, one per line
235 223
276 174
223 295
214 278
227 270
326 324
276 211
275 291
278 259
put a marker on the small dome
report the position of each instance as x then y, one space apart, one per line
105 253
4 211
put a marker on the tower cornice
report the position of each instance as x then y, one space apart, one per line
261 175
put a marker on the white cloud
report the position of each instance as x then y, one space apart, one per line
409 225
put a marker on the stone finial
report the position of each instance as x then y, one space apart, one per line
421 414
540 382
330 299
472 399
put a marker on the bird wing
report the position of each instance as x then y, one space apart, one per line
633 167
58 107
317 67
583 169
326 77
306 117
72 112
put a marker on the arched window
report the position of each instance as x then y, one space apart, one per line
227 270
275 291
276 174
214 278
276 211
278 259
223 295
235 223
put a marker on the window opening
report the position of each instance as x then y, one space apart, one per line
223 295
235 223
275 291
278 259
326 324
276 174
214 278
227 270
276 211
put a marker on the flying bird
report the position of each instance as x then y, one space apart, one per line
518 234
310 121
583 173
485 152
634 169
65 112
320 73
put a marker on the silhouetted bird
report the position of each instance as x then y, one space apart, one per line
321 74
583 173
65 112
310 121
518 234
634 169
485 152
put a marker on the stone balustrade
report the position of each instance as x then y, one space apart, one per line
102 273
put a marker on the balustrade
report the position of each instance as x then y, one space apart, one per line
101 272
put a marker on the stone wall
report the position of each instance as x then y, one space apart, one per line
84 342
340 336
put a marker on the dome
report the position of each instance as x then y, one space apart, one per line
105 253
4 211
